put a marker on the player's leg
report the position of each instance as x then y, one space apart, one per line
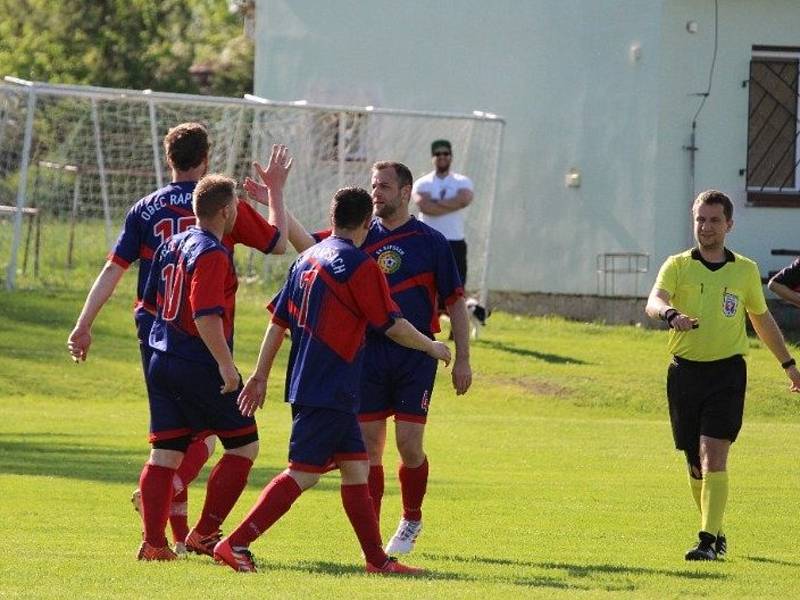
376 400
412 401
170 437
721 420
227 480
311 448
198 453
413 475
374 436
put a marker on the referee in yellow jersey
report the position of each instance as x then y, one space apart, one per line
703 295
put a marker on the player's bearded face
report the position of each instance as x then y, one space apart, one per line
386 194
710 226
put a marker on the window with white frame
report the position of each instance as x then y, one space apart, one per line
773 160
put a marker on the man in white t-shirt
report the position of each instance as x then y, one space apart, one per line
441 197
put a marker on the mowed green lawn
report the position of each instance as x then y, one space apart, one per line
554 477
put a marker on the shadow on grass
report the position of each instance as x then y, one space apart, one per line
341 569
545 356
63 455
578 570
773 561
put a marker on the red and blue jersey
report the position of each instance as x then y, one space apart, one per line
419 266
333 292
157 217
192 275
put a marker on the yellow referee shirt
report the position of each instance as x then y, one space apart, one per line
717 299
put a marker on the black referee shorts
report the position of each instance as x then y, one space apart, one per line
706 398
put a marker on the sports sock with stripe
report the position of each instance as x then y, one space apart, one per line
155 484
376 483
225 485
361 512
275 500
413 483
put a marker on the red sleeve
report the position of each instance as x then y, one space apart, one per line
207 289
252 230
321 235
371 292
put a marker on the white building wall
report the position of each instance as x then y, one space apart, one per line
561 73
722 124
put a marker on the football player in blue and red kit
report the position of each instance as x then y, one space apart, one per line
421 270
333 292
192 380
153 220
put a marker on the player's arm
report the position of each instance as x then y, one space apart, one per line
459 323
429 206
658 307
405 334
80 339
270 191
254 392
210 329
298 236
767 330
784 292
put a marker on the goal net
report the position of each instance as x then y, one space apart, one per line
73 159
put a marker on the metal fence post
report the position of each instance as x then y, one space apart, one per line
11 274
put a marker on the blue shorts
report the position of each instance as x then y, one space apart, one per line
395 381
185 399
323 437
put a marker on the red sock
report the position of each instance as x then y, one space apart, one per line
225 485
272 504
375 483
361 512
413 483
179 515
194 459
155 484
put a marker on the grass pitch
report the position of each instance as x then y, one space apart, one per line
554 477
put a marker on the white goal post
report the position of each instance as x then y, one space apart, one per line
81 156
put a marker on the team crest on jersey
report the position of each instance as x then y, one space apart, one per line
389 260
730 302
425 401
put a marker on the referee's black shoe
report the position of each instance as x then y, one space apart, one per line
704 550
721 546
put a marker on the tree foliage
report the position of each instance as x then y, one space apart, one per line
135 44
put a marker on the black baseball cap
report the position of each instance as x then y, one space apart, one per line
441 144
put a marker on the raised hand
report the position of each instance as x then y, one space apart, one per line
277 171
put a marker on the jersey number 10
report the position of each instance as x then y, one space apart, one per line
173 290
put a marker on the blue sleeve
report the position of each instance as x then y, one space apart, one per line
126 250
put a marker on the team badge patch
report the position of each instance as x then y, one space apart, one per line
389 261
730 302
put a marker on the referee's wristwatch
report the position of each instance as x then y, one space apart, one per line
789 363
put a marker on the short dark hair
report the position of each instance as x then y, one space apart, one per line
441 144
350 207
186 146
404 176
715 197
212 194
